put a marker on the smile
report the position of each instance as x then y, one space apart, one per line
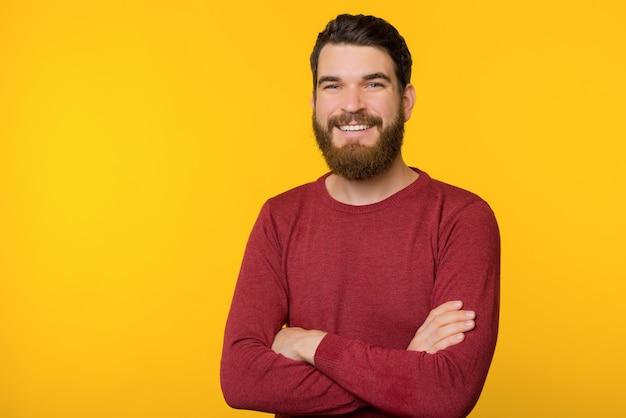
354 127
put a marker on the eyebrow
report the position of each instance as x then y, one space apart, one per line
377 75
327 79
373 76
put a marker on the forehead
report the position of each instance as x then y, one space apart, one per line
347 60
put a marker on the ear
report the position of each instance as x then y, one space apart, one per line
313 101
408 101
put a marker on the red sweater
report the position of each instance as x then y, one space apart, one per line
368 275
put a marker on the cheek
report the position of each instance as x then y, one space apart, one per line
321 111
395 110
326 105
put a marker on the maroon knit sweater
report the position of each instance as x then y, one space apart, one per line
368 275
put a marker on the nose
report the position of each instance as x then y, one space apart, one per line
352 101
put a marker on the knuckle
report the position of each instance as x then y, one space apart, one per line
438 320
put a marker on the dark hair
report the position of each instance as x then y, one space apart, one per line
366 31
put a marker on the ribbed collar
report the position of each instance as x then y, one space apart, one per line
389 202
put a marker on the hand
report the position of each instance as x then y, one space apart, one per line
445 326
297 343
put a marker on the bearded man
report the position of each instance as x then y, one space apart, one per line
373 291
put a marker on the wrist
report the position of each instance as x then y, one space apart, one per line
307 345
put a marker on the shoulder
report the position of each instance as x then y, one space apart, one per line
294 202
294 198
462 218
453 202
448 192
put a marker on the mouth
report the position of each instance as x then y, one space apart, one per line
353 128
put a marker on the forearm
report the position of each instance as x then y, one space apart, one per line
406 383
381 376
254 377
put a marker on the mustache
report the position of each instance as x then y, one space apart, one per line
360 118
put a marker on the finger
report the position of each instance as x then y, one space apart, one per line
446 318
435 336
432 335
453 305
462 324
443 336
447 342
454 328
445 307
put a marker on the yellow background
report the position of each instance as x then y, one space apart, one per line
138 140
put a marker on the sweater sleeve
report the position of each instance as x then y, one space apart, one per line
448 383
252 375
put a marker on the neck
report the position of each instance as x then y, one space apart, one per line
374 190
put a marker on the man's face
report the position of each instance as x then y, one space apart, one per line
359 113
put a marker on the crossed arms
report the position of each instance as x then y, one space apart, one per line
297 371
445 326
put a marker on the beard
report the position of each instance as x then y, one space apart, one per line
355 161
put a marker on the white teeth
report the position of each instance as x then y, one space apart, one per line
354 127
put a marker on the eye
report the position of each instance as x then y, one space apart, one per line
375 84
